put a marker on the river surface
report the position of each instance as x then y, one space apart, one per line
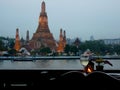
51 65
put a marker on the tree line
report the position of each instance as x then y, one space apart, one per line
98 47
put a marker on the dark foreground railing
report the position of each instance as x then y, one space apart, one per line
30 58
38 78
106 79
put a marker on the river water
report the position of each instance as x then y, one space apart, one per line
51 65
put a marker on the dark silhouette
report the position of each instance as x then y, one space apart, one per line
90 67
102 80
72 75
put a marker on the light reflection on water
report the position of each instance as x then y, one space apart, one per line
51 64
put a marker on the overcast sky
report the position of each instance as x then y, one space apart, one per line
79 18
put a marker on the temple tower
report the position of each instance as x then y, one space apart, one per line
43 36
77 42
61 35
27 37
62 41
64 38
17 45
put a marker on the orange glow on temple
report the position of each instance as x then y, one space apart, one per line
62 42
17 45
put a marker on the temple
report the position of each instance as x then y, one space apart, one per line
27 37
43 36
62 41
17 45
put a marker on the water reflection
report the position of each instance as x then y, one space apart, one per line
51 64
1 62
43 63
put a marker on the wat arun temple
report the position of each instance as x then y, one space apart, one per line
43 37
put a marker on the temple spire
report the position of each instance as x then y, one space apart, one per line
62 41
64 35
17 41
61 35
43 7
43 36
27 36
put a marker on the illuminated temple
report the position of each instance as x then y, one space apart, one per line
17 45
43 36
62 41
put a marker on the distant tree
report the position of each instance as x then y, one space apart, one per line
44 50
74 49
95 46
67 49
12 52
11 44
116 48
1 45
